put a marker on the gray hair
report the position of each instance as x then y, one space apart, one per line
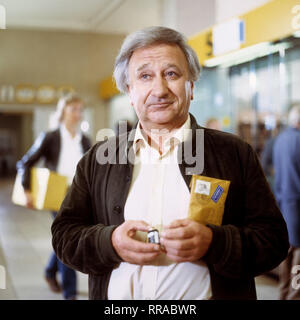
294 116
144 38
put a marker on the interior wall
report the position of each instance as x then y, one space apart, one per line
39 57
226 9
193 16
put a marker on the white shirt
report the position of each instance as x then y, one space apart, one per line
70 153
158 195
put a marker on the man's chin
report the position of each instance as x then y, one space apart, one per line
161 117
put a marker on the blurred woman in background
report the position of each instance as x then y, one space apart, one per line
61 149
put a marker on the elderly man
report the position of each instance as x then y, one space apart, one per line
145 182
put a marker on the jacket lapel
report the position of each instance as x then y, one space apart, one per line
191 153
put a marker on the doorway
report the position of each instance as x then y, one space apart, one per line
15 134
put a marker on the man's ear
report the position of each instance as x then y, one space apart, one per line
192 90
129 94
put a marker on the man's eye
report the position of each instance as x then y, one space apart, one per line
145 76
171 74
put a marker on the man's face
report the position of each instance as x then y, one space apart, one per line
159 86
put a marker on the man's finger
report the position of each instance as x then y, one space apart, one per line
141 258
137 225
177 223
185 244
177 233
130 244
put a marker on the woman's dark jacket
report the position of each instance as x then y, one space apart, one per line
47 148
252 239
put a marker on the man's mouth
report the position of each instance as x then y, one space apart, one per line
160 104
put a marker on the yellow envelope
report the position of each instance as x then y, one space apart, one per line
207 200
48 189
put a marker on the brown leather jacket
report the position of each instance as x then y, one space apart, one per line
252 239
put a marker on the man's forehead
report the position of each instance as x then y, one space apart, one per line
165 66
167 54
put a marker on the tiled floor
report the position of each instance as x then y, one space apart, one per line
25 246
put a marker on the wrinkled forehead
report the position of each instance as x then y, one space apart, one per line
158 54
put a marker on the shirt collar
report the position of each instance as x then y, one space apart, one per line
65 133
178 137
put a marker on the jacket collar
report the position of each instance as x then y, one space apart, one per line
119 150
190 152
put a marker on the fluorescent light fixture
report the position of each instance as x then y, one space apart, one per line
84 126
296 34
246 54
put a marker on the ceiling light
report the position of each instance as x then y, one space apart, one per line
246 54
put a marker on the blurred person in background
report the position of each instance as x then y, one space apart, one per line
213 123
60 149
286 159
266 157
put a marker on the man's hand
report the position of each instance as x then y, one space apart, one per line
130 250
186 240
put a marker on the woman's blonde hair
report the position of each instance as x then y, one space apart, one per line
64 101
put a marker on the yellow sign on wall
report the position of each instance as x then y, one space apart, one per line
108 88
29 94
275 20
25 93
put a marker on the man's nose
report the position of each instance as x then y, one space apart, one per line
160 87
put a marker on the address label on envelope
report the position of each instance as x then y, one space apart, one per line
202 187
